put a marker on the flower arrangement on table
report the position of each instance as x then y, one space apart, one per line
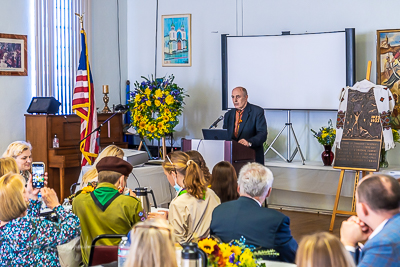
155 106
235 253
326 135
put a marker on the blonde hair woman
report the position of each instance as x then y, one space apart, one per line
151 245
8 165
91 174
322 249
21 152
25 238
190 211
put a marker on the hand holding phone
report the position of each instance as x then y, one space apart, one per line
38 174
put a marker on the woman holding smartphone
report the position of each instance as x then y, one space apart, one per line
21 152
27 239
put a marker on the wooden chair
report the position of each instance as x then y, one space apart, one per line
103 254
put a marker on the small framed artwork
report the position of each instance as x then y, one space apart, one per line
177 43
13 55
388 67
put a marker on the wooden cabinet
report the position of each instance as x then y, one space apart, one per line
63 163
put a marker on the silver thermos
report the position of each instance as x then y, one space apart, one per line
192 256
141 194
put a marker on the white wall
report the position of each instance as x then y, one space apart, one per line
104 49
16 91
203 79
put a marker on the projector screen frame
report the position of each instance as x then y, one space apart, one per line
350 62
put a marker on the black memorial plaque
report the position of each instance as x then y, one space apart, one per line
362 134
358 154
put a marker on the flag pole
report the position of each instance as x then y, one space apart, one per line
80 18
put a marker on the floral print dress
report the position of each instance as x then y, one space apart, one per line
33 241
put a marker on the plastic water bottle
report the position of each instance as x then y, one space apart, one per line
123 251
56 142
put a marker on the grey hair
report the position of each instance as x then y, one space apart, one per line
255 180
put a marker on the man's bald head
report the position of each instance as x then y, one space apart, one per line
380 192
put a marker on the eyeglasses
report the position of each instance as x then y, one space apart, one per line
154 227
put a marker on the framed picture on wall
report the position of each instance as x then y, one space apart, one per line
177 43
13 55
388 67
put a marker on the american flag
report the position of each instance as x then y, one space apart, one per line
83 103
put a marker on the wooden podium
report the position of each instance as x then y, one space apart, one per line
64 163
214 151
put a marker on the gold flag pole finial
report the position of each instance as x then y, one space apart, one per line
80 18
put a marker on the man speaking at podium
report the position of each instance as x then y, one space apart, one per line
246 123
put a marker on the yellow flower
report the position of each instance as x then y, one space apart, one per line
157 103
324 135
167 111
165 118
207 245
137 98
147 91
236 250
138 117
158 93
160 125
169 100
246 259
142 125
151 128
148 102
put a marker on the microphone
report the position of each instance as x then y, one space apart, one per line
216 122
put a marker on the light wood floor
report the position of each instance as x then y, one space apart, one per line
303 223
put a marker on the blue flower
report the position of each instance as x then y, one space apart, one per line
232 258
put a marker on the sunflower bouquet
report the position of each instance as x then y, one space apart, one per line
155 106
326 135
235 253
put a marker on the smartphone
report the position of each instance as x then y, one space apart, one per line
38 174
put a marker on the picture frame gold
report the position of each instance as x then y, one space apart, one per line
388 67
176 40
13 55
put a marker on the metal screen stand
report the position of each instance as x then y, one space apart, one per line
298 149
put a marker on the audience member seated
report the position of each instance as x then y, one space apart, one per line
262 227
21 152
322 249
91 174
152 245
25 238
190 211
377 221
106 210
198 158
224 181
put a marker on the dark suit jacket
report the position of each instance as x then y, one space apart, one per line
384 248
253 128
262 227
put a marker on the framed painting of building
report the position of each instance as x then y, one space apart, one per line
13 55
388 67
177 43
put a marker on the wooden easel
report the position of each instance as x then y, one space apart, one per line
353 202
356 179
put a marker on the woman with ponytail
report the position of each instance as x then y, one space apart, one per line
190 211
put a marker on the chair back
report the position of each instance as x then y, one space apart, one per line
103 254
